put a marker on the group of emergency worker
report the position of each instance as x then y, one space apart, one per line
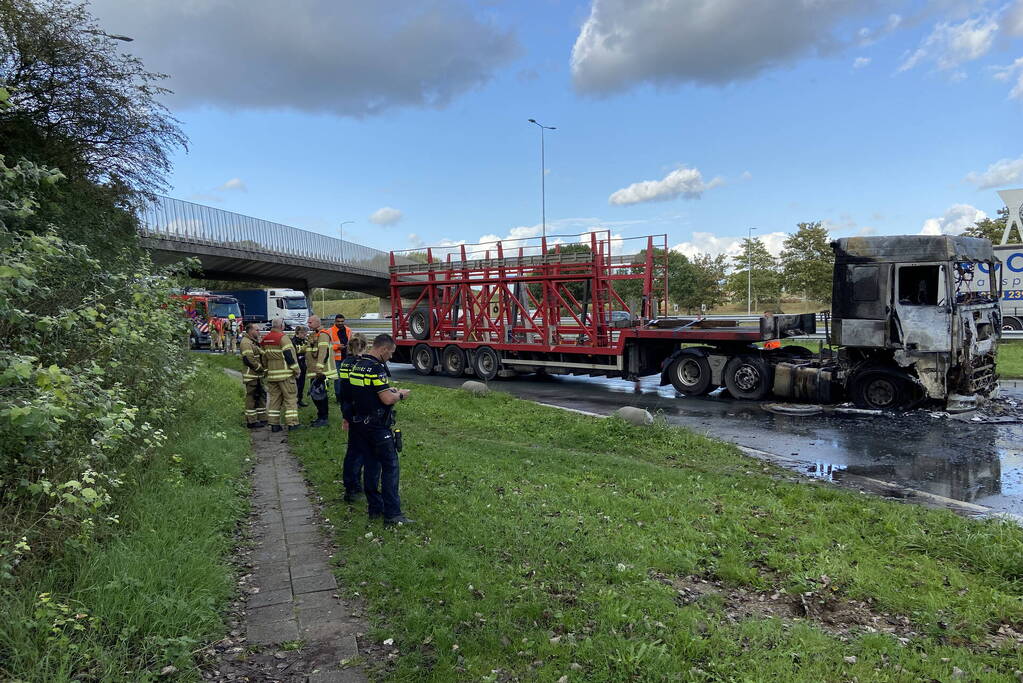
277 368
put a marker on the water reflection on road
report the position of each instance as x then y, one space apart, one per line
978 463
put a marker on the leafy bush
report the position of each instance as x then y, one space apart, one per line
92 363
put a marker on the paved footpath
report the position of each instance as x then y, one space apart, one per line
297 598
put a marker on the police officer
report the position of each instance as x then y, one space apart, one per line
255 396
352 468
319 363
373 399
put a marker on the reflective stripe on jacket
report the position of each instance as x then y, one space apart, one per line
340 348
318 359
279 357
252 360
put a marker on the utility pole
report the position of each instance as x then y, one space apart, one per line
543 179
749 271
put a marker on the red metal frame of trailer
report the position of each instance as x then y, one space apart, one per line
537 299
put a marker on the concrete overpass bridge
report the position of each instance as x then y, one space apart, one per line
232 246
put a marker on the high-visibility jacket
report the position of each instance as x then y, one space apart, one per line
340 346
318 359
252 359
279 357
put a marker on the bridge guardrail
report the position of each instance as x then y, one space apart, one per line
176 219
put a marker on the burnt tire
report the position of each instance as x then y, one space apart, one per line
879 389
424 358
690 375
420 324
1010 323
453 361
748 378
486 363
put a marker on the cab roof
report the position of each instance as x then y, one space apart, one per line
912 249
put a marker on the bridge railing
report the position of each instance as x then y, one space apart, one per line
176 219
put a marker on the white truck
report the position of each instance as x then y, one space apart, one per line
263 305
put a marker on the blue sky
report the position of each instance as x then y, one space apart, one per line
876 117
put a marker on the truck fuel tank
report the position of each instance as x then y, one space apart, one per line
803 382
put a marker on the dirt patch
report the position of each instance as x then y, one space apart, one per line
821 607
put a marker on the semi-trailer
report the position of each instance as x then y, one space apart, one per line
909 323
263 305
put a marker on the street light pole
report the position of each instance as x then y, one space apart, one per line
749 271
543 179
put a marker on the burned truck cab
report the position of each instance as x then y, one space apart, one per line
910 322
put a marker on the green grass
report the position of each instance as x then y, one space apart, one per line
544 536
154 586
350 308
1010 359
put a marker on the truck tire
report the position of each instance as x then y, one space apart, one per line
690 375
1011 323
420 324
748 377
424 358
453 361
486 363
878 389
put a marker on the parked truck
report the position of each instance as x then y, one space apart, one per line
263 305
910 323
202 307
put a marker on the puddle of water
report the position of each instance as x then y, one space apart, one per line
972 462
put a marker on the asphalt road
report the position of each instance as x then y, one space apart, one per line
978 463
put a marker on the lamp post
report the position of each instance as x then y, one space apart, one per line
543 180
112 36
749 271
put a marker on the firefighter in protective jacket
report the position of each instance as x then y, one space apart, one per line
319 363
252 377
281 371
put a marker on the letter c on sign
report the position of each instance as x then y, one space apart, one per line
1010 262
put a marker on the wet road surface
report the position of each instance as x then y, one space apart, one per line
975 463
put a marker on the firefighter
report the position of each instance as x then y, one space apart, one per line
298 340
255 396
281 371
216 335
339 336
373 399
230 334
319 363
352 468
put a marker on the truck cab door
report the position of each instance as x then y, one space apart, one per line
923 311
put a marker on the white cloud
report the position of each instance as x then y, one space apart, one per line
957 218
234 184
626 42
709 243
415 241
386 216
1013 22
345 57
1002 172
1010 72
682 182
861 62
868 36
951 45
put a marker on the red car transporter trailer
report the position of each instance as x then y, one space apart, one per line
582 305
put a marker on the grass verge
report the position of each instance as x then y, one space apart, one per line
152 589
1010 359
551 544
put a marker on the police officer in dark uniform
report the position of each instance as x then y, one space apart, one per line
372 420
352 467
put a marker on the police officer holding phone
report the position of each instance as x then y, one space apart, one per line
373 400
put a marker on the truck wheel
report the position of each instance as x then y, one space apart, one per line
424 359
1011 324
748 378
419 324
878 389
486 363
690 375
453 361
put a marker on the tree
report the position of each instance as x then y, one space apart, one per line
763 268
680 273
991 229
709 288
79 104
807 262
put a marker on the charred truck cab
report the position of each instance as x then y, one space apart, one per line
909 323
